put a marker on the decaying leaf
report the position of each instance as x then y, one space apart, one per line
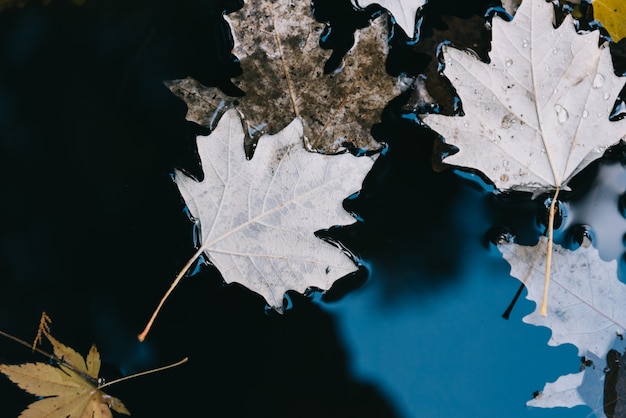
612 15
403 11
277 43
539 112
585 308
258 217
69 390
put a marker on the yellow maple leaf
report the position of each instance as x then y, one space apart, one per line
612 15
69 390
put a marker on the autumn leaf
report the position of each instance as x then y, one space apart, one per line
539 111
403 11
277 43
585 308
612 15
258 217
69 390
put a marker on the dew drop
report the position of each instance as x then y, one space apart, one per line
561 113
505 163
555 50
606 96
508 62
585 113
598 81
465 125
525 43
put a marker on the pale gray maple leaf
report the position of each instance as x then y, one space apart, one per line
258 217
538 113
277 43
402 11
586 307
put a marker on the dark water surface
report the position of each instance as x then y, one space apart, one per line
93 230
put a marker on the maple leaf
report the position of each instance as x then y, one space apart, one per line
539 111
70 390
431 90
402 11
277 43
585 308
612 15
258 217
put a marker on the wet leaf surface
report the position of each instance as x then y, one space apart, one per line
283 78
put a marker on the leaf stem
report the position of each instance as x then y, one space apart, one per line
141 337
53 357
158 369
20 341
544 301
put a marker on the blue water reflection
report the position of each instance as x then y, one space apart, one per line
447 351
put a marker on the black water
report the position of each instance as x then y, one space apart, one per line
92 231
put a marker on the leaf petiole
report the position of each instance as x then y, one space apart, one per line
141 337
550 231
158 369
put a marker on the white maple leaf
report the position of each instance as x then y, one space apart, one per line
403 11
258 217
586 307
539 111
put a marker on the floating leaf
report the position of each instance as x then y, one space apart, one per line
69 390
278 45
258 217
539 111
612 15
585 308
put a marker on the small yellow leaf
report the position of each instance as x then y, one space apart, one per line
68 355
93 362
70 390
612 15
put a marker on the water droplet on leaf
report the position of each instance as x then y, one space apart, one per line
598 81
561 113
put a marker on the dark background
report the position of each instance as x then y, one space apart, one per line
93 230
